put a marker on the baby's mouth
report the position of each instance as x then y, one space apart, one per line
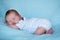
14 23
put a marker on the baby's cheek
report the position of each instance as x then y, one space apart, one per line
17 20
10 23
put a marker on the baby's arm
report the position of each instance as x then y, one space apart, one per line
40 30
14 26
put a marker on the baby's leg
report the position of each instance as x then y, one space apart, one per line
40 30
50 31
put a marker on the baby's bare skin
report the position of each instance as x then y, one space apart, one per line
41 30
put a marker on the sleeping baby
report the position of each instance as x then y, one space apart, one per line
35 26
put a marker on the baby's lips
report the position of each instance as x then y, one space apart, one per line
14 23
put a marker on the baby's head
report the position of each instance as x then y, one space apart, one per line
12 17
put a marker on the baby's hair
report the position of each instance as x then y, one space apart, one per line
9 11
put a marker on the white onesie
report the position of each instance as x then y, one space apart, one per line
30 25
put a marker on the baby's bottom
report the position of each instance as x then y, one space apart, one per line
41 30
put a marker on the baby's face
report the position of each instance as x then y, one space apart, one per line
12 18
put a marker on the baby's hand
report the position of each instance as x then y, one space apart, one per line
14 26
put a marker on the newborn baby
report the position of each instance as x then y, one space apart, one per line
34 25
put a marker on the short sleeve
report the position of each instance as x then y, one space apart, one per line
20 24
